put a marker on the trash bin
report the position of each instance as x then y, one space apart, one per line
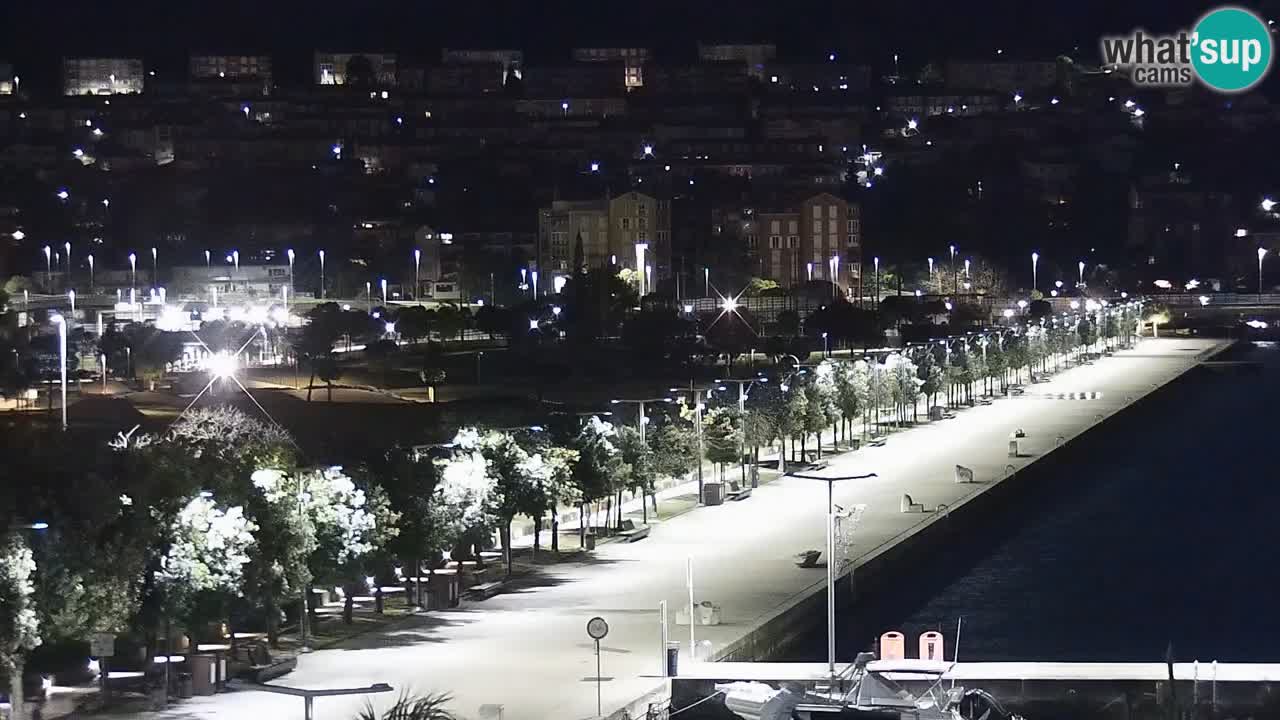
713 493
1013 448
204 674
442 591
185 689
673 659
589 542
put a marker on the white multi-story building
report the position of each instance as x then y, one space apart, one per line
102 76
8 83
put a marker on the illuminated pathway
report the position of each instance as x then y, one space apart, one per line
528 649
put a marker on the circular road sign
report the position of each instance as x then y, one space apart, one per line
597 628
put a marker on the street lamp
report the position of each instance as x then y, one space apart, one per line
235 258
67 246
133 272
90 259
706 281
640 249
876 262
155 273
383 283
826 348
1035 264
1267 204
931 271
955 286
417 264
61 322
809 268
206 259
1262 252
289 252
321 274
831 565
1080 268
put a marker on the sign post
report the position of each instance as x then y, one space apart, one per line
103 647
597 628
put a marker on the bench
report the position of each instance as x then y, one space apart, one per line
631 533
484 591
264 668
878 441
737 495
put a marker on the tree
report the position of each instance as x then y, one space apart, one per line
314 344
410 480
930 376
19 625
414 323
675 450
359 71
514 474
465 496
721 437
153 350
638 468
493 320
596 469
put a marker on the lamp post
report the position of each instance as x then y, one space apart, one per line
61 322
826 349
48 266
809 269
955 285
1262 252
368 296
1080 271
321 274
931 271
289 252
235 258
876 262
207 260
706 281
640 250
67 246
383 284
155 272
696 396
417 277
831 565
133 272
90 259
744 387
1035 265
641 421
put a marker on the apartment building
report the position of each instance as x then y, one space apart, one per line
102 76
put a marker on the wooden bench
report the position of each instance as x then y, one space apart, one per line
737 495
878 441
484 591
264 668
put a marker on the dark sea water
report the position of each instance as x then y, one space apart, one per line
1167 530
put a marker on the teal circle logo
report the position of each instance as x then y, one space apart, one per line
1231 49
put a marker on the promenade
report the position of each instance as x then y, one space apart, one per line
528 650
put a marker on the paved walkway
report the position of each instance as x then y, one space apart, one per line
528 649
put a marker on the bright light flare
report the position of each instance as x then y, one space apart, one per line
221 365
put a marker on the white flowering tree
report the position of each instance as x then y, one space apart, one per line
464 499
596 469
329 526
19 625
204 560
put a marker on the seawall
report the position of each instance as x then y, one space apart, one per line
890 564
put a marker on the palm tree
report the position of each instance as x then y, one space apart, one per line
411 707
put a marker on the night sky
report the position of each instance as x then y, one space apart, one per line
34 34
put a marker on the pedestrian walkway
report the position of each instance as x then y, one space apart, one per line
528 651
